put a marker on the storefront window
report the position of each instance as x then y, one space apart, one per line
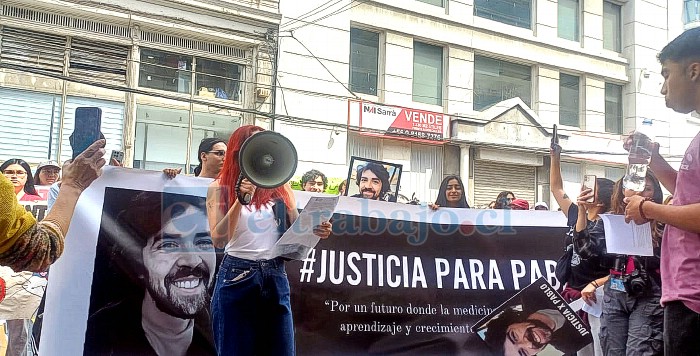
210 125
161 136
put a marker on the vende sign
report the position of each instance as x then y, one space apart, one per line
399 121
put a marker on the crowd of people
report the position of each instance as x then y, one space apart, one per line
373 183
651 304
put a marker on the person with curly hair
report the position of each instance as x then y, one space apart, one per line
314 181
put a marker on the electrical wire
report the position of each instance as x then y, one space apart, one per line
310 13
347 7
284 101
299 121
355 96
326 68
315 24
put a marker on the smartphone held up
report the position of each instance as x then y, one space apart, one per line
88 121
117 158
589 182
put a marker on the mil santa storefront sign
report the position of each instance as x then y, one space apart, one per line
398 122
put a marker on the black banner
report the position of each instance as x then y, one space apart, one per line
384 285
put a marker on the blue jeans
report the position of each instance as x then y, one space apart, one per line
682 334
251 313
632 325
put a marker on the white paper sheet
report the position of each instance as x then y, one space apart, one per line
577 304
299 239
597 308
627 239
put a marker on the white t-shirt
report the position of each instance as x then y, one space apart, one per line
255 233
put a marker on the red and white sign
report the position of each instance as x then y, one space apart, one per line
395 120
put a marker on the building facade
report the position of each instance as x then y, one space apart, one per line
500 73
165 75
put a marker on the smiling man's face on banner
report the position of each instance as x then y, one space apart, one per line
526 338
180 261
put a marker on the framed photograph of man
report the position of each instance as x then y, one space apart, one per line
535 321
372 179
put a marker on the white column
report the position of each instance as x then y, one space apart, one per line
464 170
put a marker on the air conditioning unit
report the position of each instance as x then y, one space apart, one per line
262 93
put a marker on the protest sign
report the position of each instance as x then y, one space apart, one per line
391 278
404 279
535 321
38 207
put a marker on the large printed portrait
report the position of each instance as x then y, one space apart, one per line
535 321
153 276
374 180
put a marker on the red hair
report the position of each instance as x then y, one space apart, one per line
232 169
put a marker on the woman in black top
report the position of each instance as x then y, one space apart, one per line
590 268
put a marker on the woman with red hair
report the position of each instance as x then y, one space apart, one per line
251 311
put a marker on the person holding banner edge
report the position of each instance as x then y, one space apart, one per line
451 194
31 246
581 271
251 308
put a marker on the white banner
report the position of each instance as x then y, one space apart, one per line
112 303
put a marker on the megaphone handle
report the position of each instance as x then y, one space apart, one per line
243 199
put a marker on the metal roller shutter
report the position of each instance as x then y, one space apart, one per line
26 119
491 178
98 61
31 49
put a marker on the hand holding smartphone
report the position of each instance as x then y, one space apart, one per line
589 182
554 147
555 136
87 129
117 156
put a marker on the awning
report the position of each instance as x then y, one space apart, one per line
616 159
